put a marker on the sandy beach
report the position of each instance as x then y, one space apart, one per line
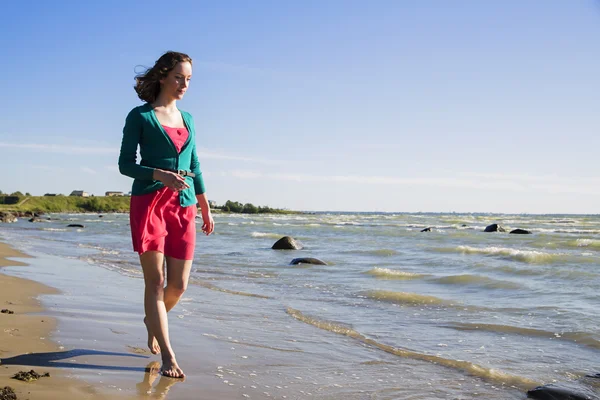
90 341
25 342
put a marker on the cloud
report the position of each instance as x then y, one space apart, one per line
58 148
50 168
88 170
500 182
203 153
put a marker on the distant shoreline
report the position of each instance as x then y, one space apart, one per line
31 205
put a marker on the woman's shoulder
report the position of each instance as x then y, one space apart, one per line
140 111
187 117
185 114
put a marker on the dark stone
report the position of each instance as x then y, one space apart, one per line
100 216
75 226
520 232
29 376
563 391
7 311
463 225
7 393
287 243
307 260
494 228
36 219
426 230
7 217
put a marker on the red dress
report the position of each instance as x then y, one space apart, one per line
158 222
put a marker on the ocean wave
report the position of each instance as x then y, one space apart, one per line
386 273
431 226
413 299
488 374
103 250
571 274
584 338
594 243
218 289
510 269
573 231
467 279
528 256
374 252
266 235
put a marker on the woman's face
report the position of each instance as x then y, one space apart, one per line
177 81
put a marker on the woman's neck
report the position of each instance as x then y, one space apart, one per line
169 104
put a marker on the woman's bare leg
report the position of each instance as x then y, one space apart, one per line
178 275
156 312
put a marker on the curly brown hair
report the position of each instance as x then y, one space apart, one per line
147 85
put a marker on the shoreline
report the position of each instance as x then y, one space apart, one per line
92 339
26 337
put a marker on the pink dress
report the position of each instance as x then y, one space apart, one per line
158 222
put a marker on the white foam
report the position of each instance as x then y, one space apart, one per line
265 235
588 242
531 256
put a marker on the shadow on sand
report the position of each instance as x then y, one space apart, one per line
53 359
146 388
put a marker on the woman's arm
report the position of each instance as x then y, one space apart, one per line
132 134
209 224
195 168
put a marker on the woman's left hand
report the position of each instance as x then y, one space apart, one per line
209 224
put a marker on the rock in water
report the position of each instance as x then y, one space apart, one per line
520 232
287 243
563 391
426 230
494 228
75 226
307 260
7 217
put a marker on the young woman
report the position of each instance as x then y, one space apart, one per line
166 188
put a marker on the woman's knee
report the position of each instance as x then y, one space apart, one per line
155 285
177 288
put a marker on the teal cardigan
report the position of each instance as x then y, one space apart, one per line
158 151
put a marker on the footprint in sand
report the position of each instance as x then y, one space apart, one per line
138 350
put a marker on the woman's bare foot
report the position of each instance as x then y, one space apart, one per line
171 369
152 342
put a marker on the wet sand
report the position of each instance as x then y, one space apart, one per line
25 342
91 338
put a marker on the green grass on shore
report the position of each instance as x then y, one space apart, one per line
62 204
69 204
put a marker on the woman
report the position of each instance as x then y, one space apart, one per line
167 185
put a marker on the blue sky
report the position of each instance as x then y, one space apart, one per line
467 106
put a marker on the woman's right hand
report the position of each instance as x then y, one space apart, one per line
170 179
